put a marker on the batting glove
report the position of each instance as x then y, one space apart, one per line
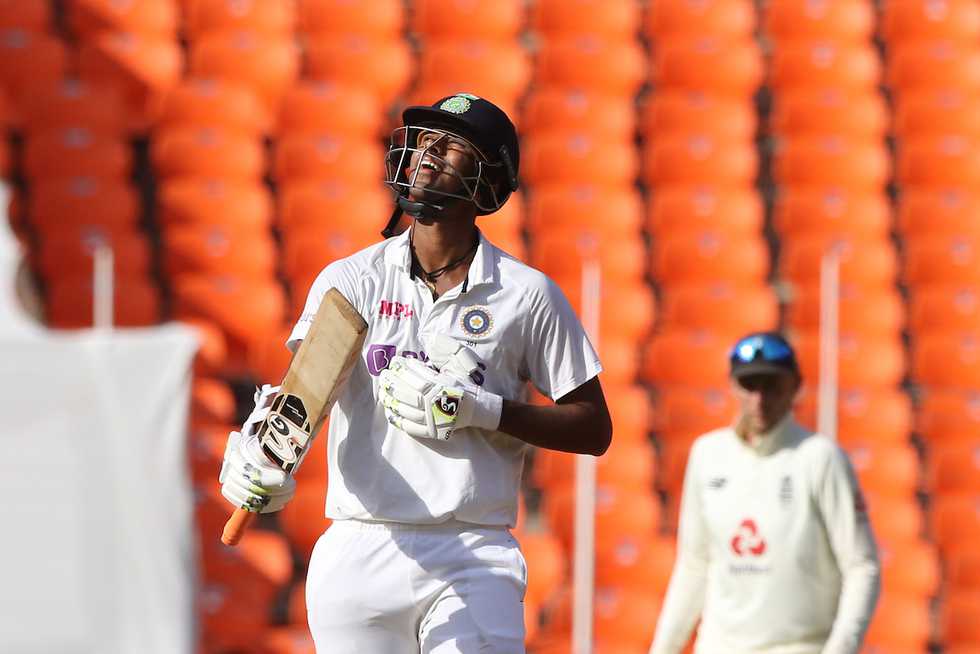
424 403
450 356
248 479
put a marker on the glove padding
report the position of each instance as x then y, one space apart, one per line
426 403
248 479
450 356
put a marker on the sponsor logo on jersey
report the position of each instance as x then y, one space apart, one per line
395 310
747 541
476 321
786 490
379 357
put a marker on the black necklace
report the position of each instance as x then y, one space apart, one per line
430 276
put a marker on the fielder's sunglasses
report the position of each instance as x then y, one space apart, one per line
767 347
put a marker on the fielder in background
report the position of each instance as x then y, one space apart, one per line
775 550
427 440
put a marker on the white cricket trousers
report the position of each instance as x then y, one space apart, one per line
382 588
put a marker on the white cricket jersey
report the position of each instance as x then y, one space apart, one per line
775 550
516 320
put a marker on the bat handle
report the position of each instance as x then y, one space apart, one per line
236 526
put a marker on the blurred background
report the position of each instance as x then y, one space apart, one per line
707 154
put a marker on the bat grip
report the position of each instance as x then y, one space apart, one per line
236 526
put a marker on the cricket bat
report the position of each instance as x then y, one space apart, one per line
311 385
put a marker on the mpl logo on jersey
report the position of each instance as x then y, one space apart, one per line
747 541
395 310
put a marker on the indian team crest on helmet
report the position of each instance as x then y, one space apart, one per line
476 321
458 104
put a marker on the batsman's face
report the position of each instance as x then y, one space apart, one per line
438 163
765 399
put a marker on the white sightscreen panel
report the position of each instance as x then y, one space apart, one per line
96 549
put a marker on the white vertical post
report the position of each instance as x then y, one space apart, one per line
583 574
829 341
102 287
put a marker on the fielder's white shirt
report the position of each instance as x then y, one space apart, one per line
775 551
515 319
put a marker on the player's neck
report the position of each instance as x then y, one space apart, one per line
440 243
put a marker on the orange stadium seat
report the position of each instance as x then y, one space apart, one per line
624 616
631 410
578 110
207 152
627 307
885 468
331 204
923 212
206 17
557 206
729 19
808 211
864 361
943 259
719 306
232 617
901 622
327 156
69 253
136 302
76 151
710 256
939 162
561 254
87 18
857 115
546 563
578 158
628 561
269 359
266 64
383 66
206 449
440 19
699 208
74 103
191 201
262 558
833 161
674 451
144 66
380 19
296 611
54 203
307 249
894 519
313 107
212 401
212 351
718 66
865 416
954 467
215 103
693 112
687 357
847 21
824 64
962 567
619 511
958 617
625 465
937 112
288 640
699 159
620 363
303 520
955 520
694 410
493 69
905 21
944 308
909 568
30 60
871 311
616 20
864 261
610 66
933 66
29 15
948 415
947 360
215 249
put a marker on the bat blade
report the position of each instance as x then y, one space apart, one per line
311 385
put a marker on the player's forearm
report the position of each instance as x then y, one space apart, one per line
579 427
859 596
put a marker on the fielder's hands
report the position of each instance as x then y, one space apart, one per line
426 403
248 479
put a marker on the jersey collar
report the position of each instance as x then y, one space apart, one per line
773 440
482 268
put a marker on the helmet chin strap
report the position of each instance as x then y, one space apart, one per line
415 209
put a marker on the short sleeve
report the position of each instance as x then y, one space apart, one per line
559 356
340 275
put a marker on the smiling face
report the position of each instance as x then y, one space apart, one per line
438 164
